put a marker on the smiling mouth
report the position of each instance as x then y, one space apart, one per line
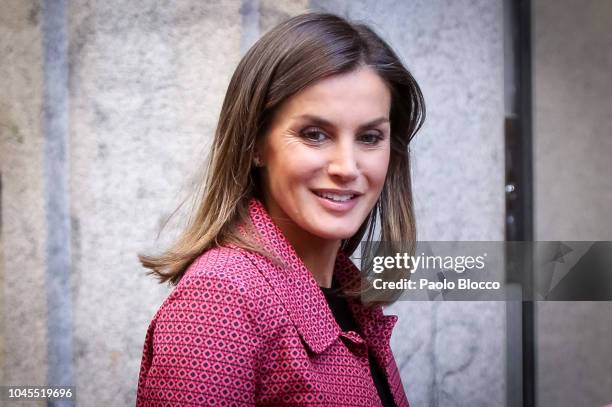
336 197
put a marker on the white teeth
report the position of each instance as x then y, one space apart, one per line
334 197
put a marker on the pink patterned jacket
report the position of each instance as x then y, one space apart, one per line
240 330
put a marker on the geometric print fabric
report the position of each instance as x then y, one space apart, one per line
240 329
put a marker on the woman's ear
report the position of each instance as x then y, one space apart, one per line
258 153
257 162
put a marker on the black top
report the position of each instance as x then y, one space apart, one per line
345 320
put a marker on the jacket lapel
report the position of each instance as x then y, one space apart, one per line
306 304
376 327
293 283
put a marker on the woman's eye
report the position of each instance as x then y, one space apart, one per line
370 138
314 135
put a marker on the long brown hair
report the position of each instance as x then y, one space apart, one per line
287 59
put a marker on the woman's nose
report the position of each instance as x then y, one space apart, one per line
343 162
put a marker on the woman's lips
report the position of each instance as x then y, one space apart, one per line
337 201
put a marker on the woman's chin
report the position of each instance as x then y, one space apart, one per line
335 233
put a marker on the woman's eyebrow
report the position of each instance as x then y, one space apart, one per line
319 121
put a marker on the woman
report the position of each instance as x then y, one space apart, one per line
311 147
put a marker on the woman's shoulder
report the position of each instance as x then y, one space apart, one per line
224 269
219 261
221 280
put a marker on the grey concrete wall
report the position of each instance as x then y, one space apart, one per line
572 68
23 223
451 354
145 86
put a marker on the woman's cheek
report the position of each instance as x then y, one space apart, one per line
308 161
376 167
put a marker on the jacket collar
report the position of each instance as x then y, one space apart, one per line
304 300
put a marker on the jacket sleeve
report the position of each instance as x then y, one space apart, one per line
202 346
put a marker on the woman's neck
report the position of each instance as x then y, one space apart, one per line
318 255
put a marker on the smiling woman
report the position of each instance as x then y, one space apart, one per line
311 149
324 161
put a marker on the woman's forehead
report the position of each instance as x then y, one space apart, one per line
357 93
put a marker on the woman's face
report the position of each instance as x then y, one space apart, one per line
326 153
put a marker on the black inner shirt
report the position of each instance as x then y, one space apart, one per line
344 317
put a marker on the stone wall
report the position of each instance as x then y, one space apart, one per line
572 65
143 86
